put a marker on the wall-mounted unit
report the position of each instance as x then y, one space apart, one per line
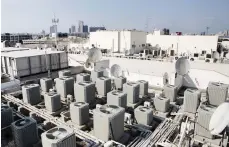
6 116
117 98
81 77
52 101
95 75
84 91
79 112
109 122
170 92
203 119
132 89
161 104
191 100
65 86
25 132
119 82
143 87
143 115
103 85
58 137
31 94
217 93
64 73
46 84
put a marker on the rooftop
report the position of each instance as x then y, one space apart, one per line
28 53
9 49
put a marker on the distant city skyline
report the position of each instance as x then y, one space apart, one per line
194 16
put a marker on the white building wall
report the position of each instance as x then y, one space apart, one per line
184 43
105 40
121 40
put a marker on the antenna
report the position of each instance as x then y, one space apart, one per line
219 119
182 66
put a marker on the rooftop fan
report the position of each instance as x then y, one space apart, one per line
22 122
78 104
56 133
182 66
219 120
116 92
143 109
166 78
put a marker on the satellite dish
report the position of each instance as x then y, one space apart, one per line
116 70
94 55
87 63
166 78
182 66
227 55
216 55
219 119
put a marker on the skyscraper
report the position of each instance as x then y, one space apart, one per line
70 31
85 29
80 29
73 29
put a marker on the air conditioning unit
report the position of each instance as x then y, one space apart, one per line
64 86
147 104
46 84
143 87
132 89
31 94
119 82
170 92
203 119
95 75
143 115
217 93
81 77
58 137
52 101
25 132
84 91
109 122
79 112
161 104
103 85
191 100
117 98
64 73
6 116
128 118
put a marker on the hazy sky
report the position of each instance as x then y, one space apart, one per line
178 15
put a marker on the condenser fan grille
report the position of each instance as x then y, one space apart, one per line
78 104
56 133
143 109
22 122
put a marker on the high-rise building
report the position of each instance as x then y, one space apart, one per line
73 29
80 29
15 38
53 29
94 29
85 29
70 30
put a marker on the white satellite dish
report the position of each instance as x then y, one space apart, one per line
87 64
182 66
166 78
216 55
227 55
116 70
219 119
94 55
